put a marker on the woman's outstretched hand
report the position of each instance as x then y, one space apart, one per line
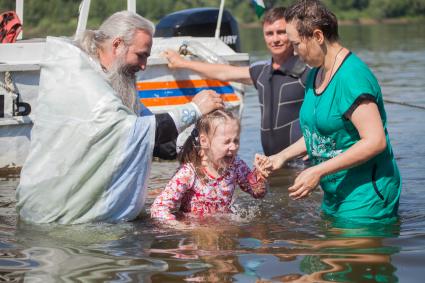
305 183
276 161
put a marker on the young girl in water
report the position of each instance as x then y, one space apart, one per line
210 170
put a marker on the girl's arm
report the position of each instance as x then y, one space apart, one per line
367 120
251 182
169 199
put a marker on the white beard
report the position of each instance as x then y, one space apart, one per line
124 83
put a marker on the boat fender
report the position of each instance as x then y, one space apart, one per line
10 27
200 51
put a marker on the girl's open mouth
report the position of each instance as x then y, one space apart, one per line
228 159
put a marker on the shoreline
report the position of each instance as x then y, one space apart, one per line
364 21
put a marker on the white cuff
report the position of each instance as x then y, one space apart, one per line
198 112
185 115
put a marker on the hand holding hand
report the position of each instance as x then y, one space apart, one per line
305 183
207 101
263 165
174 59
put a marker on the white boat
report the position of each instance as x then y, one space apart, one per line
159 88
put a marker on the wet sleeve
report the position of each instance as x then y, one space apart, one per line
356 87
168 201
165 137
169 125
249 181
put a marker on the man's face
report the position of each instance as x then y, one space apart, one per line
138 52
126 61
276 39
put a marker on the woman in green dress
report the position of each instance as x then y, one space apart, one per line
343 121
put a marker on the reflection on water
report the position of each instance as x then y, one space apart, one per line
210 251
271 240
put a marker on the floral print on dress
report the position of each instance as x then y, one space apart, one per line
322 148
186 192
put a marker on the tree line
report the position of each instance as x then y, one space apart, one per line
59 17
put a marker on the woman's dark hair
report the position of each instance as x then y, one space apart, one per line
274 14
310 15
207 124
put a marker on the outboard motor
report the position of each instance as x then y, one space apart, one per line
200 22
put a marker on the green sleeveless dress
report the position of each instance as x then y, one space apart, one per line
367 192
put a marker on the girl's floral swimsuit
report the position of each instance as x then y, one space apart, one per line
206 196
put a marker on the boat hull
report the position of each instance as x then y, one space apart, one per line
159 88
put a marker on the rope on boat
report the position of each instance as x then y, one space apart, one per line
8 85
404 104
197 49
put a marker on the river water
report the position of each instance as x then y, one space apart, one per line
271 240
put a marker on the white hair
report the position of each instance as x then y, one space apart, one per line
122 25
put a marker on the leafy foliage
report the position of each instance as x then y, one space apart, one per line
59 17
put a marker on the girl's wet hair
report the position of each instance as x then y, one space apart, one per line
310 15
207 124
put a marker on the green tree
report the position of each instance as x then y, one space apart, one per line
59 17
